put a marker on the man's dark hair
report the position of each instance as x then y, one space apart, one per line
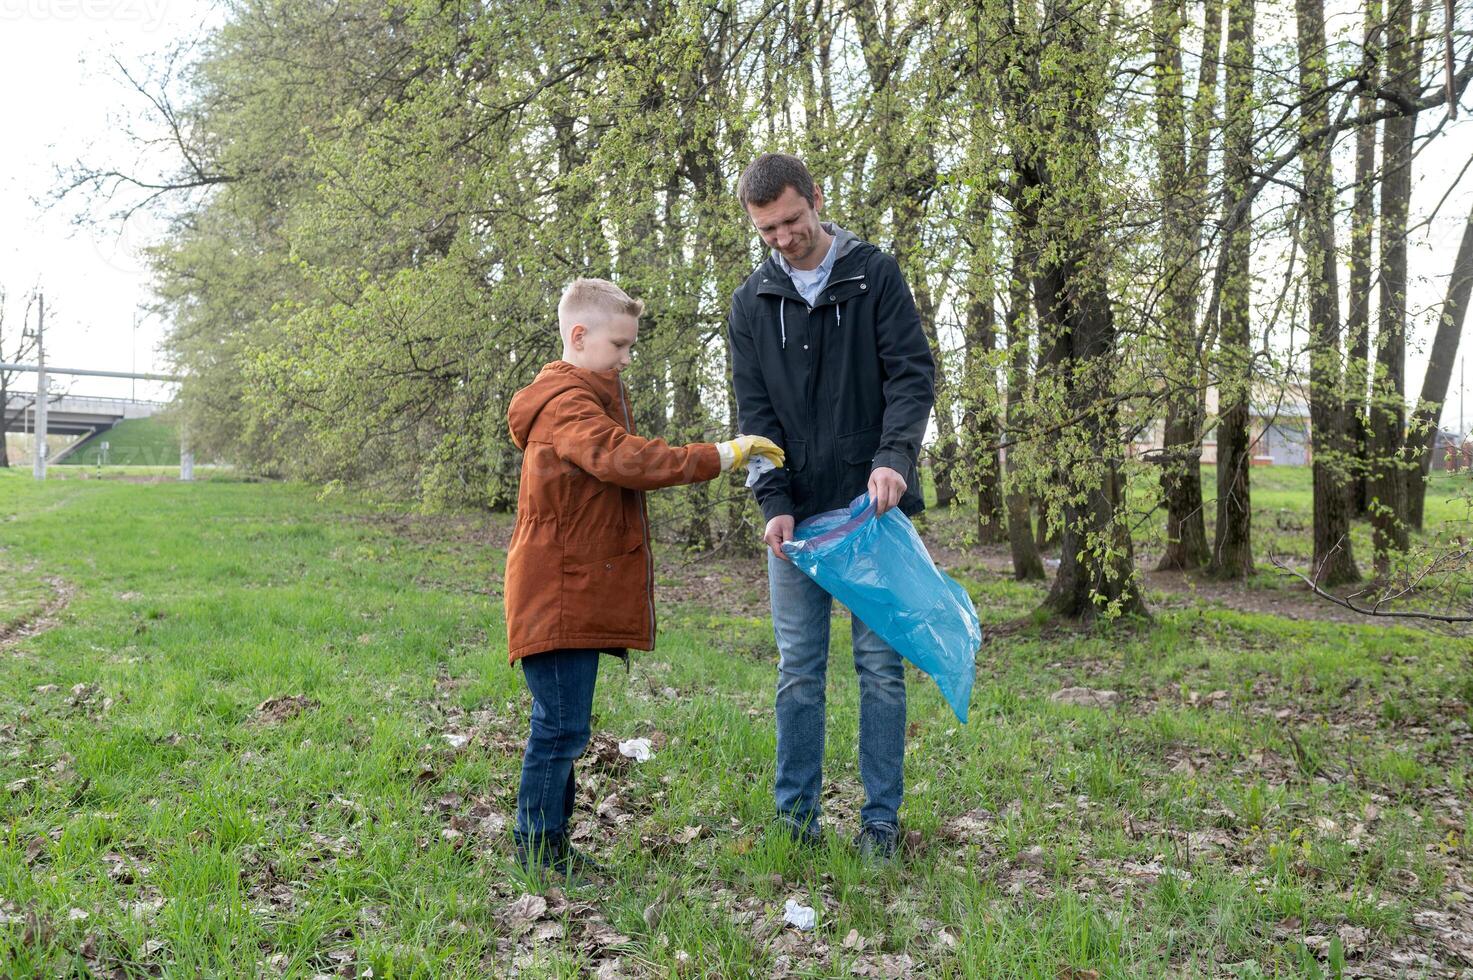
769 175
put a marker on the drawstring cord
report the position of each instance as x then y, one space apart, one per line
782 318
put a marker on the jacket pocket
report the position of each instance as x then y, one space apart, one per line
861 446
607 595
800 483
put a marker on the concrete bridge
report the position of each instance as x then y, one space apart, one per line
70 415
75 414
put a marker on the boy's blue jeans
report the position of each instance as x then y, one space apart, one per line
561 682
800 622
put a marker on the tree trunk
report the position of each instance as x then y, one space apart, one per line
1027 564
1388 408
1362 235
979 397
1427 419
1232 547
944 451
1333 562
1181 471
1046 536
1096 559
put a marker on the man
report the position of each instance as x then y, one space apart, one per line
829 361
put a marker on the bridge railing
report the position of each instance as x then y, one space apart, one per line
81 402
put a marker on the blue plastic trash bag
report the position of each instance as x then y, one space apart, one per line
879 568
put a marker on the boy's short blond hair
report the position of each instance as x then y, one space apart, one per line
595 296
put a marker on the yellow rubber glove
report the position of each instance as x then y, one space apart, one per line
737 451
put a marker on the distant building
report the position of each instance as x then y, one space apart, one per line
1451 452
1279 433
1278 428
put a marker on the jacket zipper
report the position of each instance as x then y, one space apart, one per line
644 526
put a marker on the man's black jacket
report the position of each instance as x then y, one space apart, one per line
844 386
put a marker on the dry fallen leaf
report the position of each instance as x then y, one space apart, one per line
600 935
1086 697
547 931
609 970
521 914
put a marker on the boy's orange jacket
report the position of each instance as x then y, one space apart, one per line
579 573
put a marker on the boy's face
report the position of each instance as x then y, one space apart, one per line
606 345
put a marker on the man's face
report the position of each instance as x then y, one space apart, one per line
606 345
790 225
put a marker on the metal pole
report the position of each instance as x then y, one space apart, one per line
84 372
134 390
38 470
186 456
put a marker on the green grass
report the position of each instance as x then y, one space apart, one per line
132 442
1266 782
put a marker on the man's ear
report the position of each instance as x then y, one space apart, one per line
817 198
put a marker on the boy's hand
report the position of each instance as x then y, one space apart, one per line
736 452
779 529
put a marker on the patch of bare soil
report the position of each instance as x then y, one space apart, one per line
1292 602
1178 589
735 585
41 619
486 530
279 709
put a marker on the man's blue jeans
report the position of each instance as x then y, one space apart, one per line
561 682
800 622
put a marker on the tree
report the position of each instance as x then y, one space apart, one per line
1362 234
1332 559
1388 504
1057 159
1232 552
1444 352
21 349
1183 193
1027 564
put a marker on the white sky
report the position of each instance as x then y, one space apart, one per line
62 103
65 102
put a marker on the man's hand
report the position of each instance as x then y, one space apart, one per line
779 529
885 488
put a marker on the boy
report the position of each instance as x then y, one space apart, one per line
579 572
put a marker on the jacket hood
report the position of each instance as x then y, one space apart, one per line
848 241
556 378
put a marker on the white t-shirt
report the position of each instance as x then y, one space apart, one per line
810 283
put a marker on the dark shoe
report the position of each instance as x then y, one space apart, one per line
807 833
555 854
877 843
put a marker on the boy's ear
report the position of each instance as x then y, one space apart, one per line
576 335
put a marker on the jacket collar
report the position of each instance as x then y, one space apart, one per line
773 279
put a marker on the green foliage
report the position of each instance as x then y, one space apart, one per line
406 188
